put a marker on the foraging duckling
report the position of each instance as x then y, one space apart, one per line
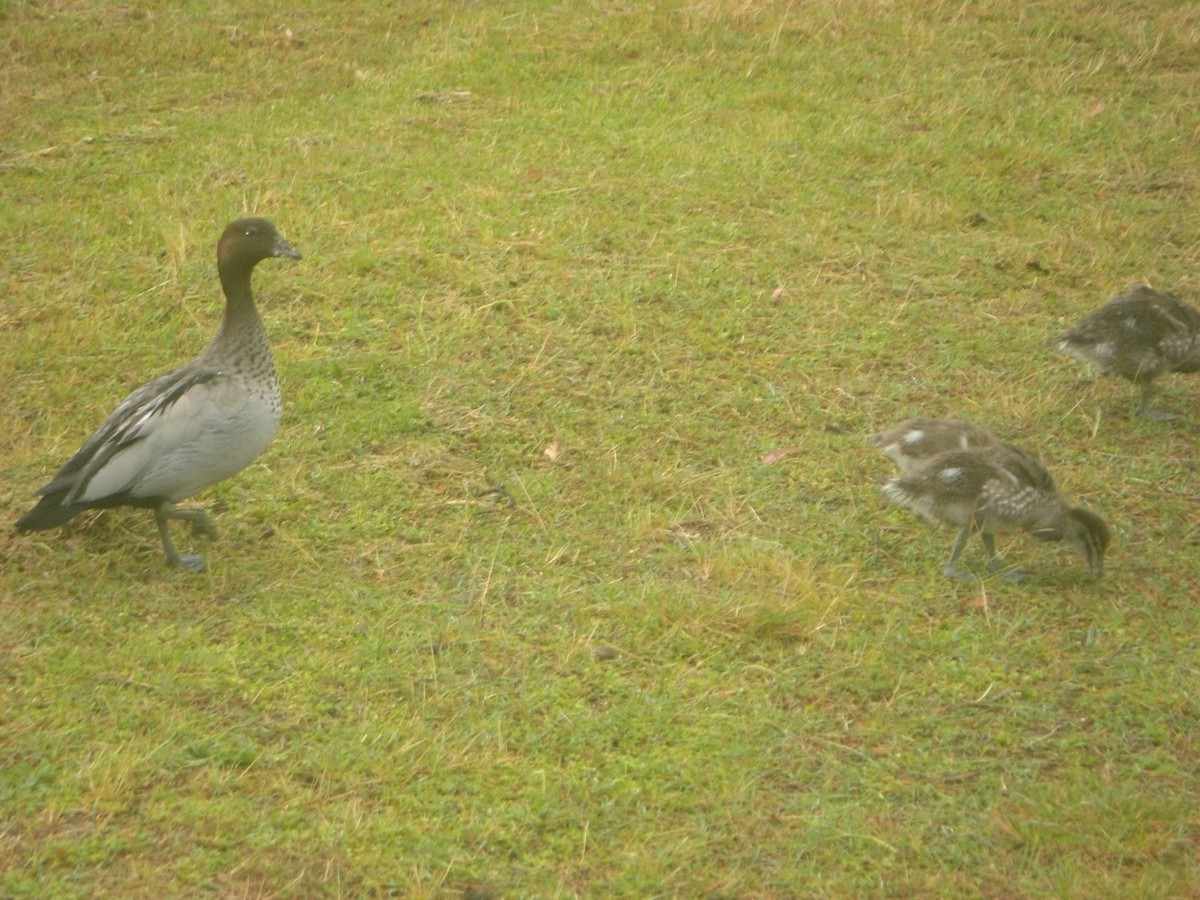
995 489
187 429
915 440
1138 336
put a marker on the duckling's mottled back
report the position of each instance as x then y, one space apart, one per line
1139 336
995 489
918 439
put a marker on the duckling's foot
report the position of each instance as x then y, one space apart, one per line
950 570
190 562
1007 573
1155 415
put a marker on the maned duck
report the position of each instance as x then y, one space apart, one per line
994 489
190 428
1138 336
915 440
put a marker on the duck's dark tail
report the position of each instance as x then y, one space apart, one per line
50 512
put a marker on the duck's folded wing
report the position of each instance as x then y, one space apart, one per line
153 420
1177 332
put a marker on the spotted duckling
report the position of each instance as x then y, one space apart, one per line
187 429
915 440
993 489
1138 336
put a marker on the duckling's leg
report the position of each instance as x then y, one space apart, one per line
1145 392
951 569
189 562
996 564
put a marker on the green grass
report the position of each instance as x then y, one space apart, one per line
513 605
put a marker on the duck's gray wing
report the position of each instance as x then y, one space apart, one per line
105 465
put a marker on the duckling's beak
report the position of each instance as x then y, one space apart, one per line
284 249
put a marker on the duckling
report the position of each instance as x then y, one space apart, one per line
994 489
187 429
1138 336
915 440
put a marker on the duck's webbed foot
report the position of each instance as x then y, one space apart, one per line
1014 574
951 570
198 519
1155 415
1143 409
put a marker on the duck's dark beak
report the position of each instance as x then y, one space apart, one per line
284 249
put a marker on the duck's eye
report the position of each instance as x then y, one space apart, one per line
251 231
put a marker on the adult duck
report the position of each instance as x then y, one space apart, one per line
187 429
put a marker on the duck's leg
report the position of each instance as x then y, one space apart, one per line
996 564
189 562
198 518
1145 392
951 569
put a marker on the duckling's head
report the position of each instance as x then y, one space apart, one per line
248 241
1088 534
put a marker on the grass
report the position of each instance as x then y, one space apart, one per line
513 606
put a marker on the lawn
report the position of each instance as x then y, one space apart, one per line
568 572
